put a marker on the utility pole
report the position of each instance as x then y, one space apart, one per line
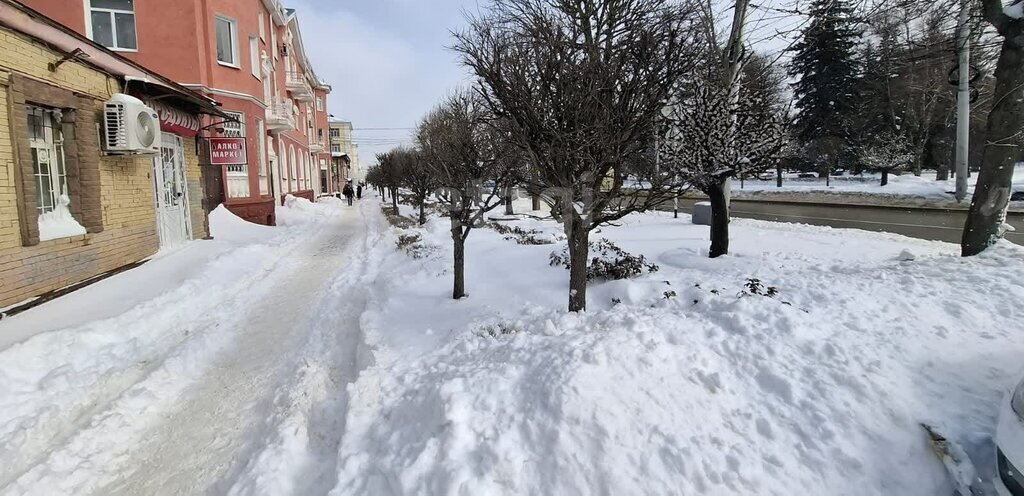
733 75
963 100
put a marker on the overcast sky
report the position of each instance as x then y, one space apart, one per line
385 59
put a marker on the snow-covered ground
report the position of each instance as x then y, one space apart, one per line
906 187
188 374
690 385
319 358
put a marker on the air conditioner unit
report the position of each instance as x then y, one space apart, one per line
130 127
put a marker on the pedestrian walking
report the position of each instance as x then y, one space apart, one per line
348 192
359 191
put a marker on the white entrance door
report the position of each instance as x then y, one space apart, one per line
172 219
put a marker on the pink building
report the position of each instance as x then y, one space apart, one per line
249 56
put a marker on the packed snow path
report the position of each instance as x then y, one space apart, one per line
251 400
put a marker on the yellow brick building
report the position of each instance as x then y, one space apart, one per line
54 115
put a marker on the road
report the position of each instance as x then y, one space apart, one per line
251 402
923 223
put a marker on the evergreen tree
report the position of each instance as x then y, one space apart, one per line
827 71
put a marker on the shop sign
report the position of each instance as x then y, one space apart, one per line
175 121
227 151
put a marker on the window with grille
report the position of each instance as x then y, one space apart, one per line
234 126
47 145
335 133
112 23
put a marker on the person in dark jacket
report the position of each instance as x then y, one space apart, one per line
348 192
359 191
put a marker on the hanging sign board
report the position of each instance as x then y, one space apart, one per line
227 151
175 121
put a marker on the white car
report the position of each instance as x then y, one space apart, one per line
1010 445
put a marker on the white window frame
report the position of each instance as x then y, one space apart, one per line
234 129
319 104
273 41
254 57
233 25
52 143
261 148
263 26
113 25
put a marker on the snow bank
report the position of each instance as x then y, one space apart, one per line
901 187
709 389
297 211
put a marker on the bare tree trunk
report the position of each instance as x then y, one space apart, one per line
508 201
885 177
719 220
579 252
778 176
423 212
459 259
1002 150
535 199
394 199
941 168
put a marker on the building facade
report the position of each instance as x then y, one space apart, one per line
249 56
69 211
344 152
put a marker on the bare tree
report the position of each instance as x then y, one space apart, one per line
708 139
470 158
581 83
1003 138
420 180
390 174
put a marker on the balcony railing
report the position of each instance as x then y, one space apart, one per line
298 86
316 146
281 116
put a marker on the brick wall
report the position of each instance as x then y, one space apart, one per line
126 213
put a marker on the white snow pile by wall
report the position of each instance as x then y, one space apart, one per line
59 222
690 385
297 211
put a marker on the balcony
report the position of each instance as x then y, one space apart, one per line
277 12
281 116
316 146
298 86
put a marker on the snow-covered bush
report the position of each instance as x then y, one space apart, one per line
413 245
520 235
609 262
399 221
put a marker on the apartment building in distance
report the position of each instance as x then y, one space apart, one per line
344 151
249 56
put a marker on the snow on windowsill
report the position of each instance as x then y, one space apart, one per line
59 224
